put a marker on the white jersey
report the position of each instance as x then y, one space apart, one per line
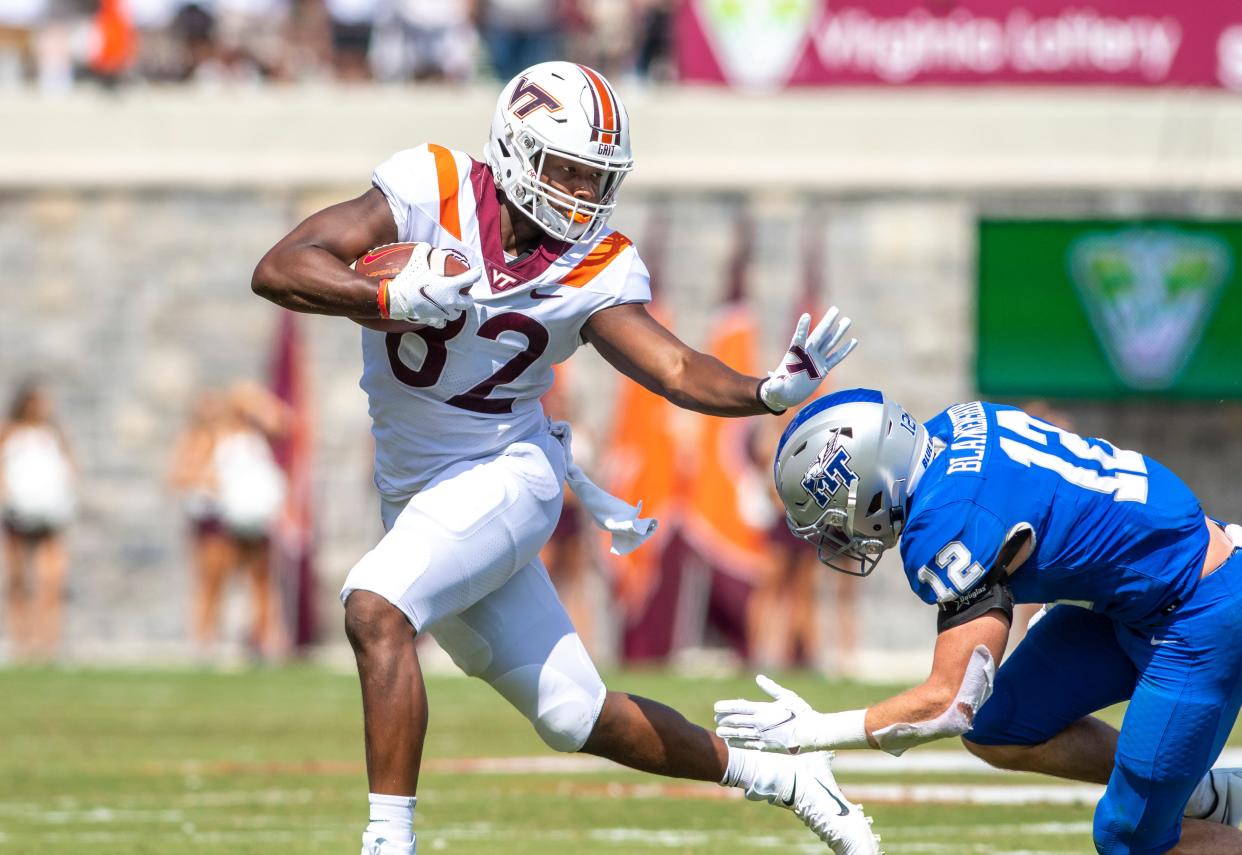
37 477
251 485
471 389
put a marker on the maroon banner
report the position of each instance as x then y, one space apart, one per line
767 44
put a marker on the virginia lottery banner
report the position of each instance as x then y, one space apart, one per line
1106 308
767 44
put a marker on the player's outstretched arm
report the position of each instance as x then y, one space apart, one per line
944 705
963 666
308 269
638 346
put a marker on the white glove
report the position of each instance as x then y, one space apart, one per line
420 295
807 362
787 724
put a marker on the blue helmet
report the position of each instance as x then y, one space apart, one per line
845 468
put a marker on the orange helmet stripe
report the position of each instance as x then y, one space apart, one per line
596 260
611 115
446 176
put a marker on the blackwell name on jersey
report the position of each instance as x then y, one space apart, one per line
970 437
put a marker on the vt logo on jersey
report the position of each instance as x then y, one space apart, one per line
830 472
502 281
537 98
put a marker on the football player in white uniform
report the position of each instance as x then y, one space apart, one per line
471 472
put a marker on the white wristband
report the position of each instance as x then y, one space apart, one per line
840 730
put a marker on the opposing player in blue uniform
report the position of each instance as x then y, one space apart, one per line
993 506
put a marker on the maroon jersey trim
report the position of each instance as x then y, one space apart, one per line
488 200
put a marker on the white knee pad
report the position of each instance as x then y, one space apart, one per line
520 641
562 707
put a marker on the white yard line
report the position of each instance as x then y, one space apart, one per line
976 794
863 762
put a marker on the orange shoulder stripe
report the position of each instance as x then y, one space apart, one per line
446 176
596 260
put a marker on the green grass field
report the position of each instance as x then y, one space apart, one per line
269 761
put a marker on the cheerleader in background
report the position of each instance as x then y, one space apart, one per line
37 502
233 492
192 476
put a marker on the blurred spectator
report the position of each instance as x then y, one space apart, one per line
653 49
161 54
425 40
59 42
352 23
194 30
19 22
520 33
233 492
603 36
250 38
192 476
37 488
624 39
114 45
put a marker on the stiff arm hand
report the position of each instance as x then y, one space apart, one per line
807 361
786 724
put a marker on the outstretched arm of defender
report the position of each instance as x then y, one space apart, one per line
638 346
944 705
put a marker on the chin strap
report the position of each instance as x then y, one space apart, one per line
976 688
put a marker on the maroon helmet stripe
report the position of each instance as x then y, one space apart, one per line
610 126
594 104
616 111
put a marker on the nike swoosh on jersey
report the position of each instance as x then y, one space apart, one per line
1156 641
535 295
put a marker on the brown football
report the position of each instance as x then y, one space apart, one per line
386 261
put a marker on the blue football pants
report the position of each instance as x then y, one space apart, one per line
1183 677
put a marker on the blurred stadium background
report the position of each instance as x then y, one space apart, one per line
1037 202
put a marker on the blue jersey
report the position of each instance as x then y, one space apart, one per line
1114 529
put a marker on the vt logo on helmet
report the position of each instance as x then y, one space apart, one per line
830 472
532 98
844 469
569 113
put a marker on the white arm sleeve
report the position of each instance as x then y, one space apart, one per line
976 688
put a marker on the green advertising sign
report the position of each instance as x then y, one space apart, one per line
1104 308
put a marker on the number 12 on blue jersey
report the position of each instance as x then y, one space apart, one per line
1121 473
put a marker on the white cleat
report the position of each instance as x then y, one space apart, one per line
1227 785
823 808
373 844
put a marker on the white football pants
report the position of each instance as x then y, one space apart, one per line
461 560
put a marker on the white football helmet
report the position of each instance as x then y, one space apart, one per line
845 468
570 111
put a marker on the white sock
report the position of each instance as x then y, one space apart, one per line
392 817
762 776
1203 800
